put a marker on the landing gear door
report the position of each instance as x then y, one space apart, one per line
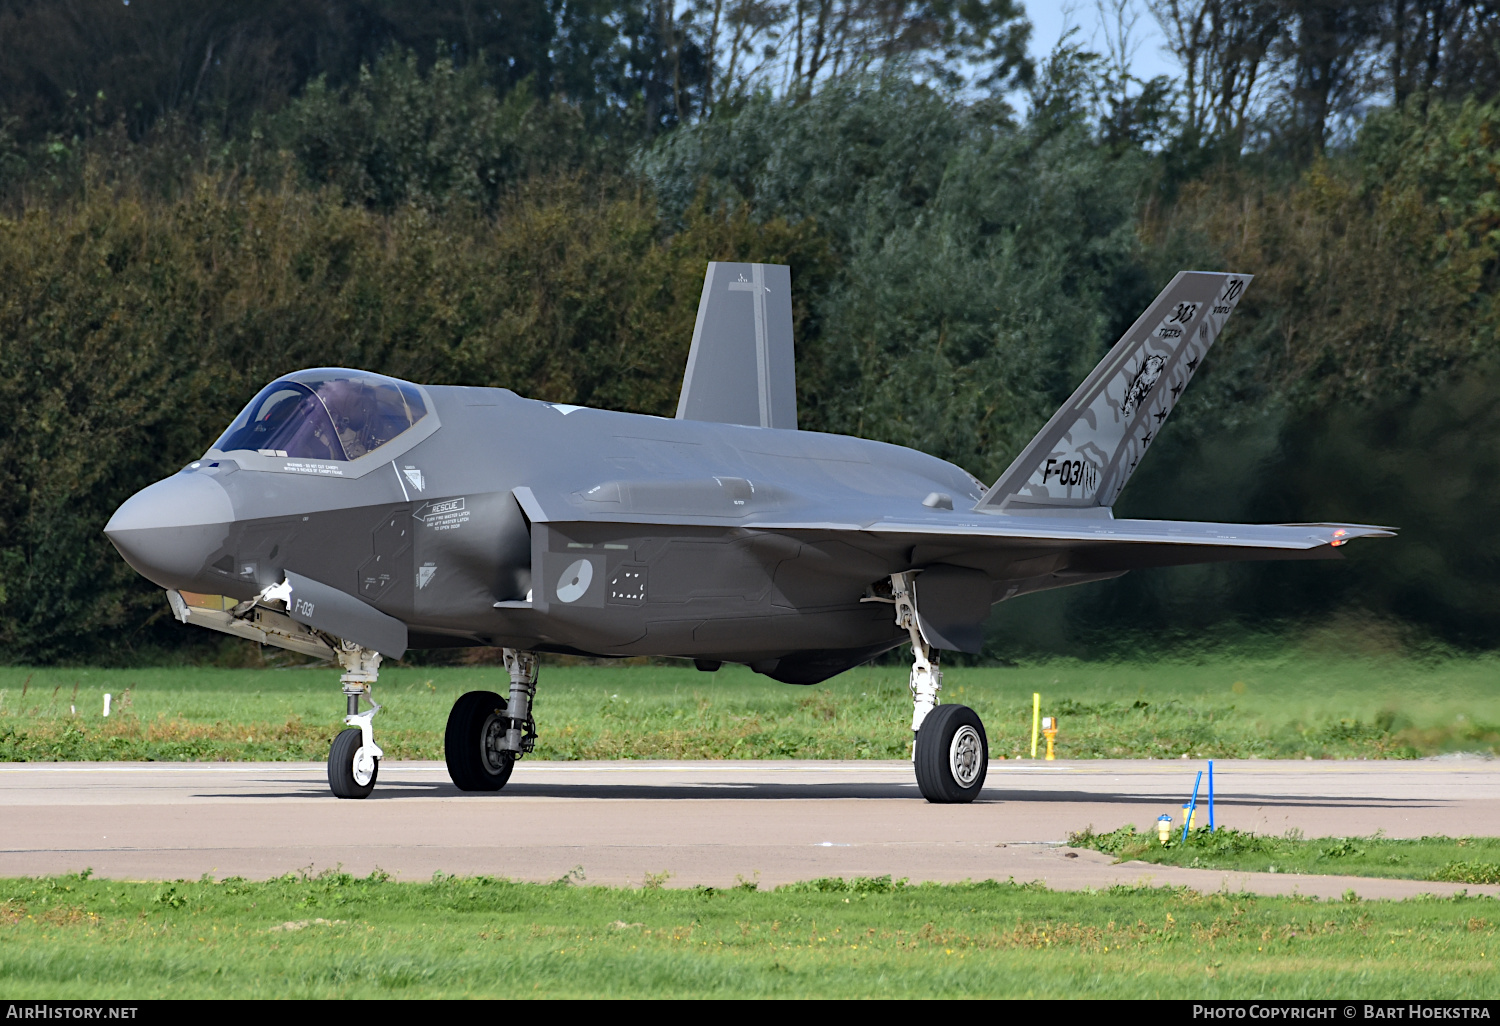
952 605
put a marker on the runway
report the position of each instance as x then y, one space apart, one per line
711 823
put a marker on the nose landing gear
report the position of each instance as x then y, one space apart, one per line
950 751
354 758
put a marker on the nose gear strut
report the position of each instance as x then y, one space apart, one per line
354 758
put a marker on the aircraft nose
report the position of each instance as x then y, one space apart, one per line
167 530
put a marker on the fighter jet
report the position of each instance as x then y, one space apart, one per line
350 515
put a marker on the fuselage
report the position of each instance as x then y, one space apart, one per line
438 534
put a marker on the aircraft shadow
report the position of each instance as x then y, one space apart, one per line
825 791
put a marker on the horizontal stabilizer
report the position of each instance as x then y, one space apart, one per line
741 368
1088 450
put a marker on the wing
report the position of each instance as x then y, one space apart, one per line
969 560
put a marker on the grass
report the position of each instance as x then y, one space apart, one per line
1473 860
336 936
1294 705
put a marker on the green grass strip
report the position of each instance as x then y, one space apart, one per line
1474 860
333 935
1218 706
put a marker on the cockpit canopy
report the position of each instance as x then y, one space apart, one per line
325 414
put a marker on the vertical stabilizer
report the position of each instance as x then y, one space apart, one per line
741 368
1088 450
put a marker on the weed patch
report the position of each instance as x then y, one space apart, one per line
1426 858
1469 872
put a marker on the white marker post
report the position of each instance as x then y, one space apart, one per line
107 697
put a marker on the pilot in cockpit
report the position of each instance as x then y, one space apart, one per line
325 415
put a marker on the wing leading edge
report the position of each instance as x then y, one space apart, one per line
1289 537
981 529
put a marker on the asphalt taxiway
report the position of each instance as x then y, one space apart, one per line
712 823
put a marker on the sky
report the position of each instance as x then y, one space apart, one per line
1050 19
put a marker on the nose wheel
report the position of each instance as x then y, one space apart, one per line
352 768
354 758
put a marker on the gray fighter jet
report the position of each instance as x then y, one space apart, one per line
349 515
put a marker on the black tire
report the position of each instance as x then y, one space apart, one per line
476 722
341 777
952 755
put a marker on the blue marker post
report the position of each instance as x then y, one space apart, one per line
1210 796
1187 820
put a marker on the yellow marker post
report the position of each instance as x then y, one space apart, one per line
1036 719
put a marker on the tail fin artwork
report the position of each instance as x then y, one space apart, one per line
741 367
1088 450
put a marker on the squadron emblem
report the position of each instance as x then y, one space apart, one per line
1141 387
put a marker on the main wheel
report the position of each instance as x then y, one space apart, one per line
952 755
351 772
471 745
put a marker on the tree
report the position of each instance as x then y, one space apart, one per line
1443 48
1222 47
1326 54
792 47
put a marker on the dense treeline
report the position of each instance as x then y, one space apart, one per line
196 196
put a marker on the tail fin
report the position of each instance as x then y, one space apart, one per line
741 368
1088 450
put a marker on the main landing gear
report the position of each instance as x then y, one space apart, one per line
354 759
950 751
487 734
